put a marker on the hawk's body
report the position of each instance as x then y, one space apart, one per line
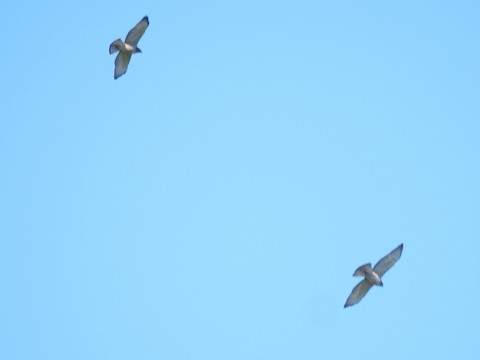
372 276
127 48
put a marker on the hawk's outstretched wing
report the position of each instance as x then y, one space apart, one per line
358 292
385 263
121 63
134 35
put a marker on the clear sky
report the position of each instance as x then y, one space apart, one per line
214 202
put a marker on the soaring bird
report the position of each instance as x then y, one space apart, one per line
127 48
372 276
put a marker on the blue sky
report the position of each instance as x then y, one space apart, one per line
214 202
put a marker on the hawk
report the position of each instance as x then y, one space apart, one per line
127 48
372 276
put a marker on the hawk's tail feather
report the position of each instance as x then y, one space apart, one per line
362 270
115 46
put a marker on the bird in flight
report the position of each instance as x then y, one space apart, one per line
372 276
127 48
